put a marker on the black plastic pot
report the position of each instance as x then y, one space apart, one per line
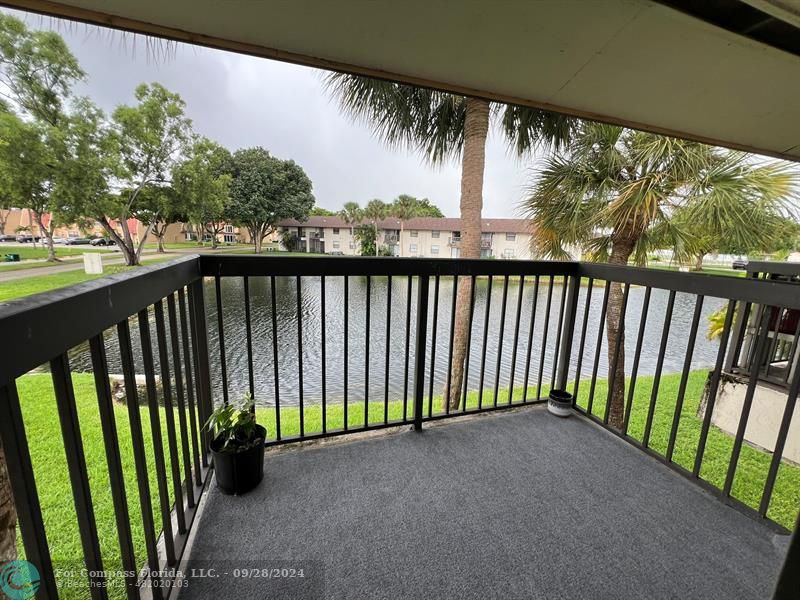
559 403
239 472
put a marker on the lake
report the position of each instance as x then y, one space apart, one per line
288 298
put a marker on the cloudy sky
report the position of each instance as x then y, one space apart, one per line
241 101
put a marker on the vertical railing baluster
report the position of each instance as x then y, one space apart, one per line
276 367
598 348
155 429
468 353
408 349
529 351
433 343
200 357
500 338
388 349
636 356
300 356
618 344
368 315
516 339
323 349
687 365
188 357
23 486
485 342
78 474
544 337
137 442
556 351
567 330
651 409
759 355
180 399
774 345
221 339
249 338
582 343
448 391
419 354
780 443
116 479
169 416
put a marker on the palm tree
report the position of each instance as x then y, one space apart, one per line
620 193
351 214
445 126
374 211
404 207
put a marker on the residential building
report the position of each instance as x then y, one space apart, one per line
422 237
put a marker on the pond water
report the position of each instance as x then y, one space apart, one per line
307 299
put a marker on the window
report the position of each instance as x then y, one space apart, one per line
335 245
415 234
335 231
412 248
434 234
352 245
509 253
434 249
228 228
511 237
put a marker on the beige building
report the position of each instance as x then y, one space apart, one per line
423 237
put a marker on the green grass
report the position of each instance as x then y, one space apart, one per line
42 427
706 270
30 253
26 264
35 284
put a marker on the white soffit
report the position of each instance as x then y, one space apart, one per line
632 62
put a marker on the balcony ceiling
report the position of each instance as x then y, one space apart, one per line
632 62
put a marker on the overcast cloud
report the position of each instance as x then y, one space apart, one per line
241 101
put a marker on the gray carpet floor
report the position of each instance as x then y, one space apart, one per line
513 505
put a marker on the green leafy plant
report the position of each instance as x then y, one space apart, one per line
235 425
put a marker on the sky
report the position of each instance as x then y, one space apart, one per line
241 101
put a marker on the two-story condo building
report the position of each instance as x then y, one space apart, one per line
419 237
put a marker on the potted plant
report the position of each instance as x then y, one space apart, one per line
237 447
559 403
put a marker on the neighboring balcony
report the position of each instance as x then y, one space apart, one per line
487 496
455 242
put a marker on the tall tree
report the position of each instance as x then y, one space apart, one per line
202 185
266 190
151 137
445 126
161 207
352 214
318 211
375 211
617 192
37 72
404 207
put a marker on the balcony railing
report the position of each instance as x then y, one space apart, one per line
455 241
534 326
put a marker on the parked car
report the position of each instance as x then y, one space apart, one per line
8 238
58 240
78 241
102 242
27 238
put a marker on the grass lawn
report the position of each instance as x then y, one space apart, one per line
35 284
706 270
29 252
39 412
27 264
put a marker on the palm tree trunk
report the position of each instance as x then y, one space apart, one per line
473 163
621 251
698 263
8 515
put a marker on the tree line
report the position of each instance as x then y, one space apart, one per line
62 156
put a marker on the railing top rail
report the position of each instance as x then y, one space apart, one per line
774 293
772 267
253 265
45 325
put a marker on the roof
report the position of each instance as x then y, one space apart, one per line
728 74
419 224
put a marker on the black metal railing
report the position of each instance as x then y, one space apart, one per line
331 347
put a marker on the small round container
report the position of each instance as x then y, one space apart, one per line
559 403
